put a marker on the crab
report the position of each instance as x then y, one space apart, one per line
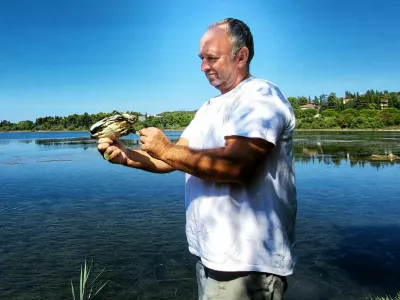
114 127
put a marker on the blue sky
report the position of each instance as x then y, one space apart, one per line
65 57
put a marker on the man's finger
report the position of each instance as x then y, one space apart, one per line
103 146
111 149
114 154
142 140
144 132
105 140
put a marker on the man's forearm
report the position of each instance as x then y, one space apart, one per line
141 160
209 164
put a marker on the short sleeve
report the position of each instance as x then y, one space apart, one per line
257 116
191 131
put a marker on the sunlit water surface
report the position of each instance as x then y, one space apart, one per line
61 203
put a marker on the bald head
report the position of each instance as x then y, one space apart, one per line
215 40
223 70
239 34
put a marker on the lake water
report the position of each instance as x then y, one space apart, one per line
61 203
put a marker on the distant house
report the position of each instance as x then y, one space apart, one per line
346 100
308 106
384 103
142 118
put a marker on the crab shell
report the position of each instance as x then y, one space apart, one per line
114 126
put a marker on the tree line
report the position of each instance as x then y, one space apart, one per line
81 122
359 111
354 111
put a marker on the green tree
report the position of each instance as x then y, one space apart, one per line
25 125
302 100
316 101
368 113
308 113
293 102
332 102
330 113
361 102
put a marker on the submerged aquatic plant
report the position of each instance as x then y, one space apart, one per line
397 297
86 291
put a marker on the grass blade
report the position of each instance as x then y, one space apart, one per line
73 292
101 288
83 287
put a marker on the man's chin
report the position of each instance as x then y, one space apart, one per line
214 82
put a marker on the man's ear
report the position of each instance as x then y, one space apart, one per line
243 56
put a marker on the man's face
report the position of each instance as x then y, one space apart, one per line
217 64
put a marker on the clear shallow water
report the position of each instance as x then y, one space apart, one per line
61 203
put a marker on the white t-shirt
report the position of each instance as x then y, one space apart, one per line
233 227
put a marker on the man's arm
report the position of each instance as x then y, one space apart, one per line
119 154
235 162
140 159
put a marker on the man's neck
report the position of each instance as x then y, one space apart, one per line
238 80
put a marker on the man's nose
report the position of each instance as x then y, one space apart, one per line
205 66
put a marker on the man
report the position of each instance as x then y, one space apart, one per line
237 154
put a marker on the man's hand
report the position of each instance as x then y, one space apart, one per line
154 142
114 149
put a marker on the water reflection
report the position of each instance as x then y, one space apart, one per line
25 141
4 142
65 141
375 152
376 155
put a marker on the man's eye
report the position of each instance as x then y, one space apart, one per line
209 57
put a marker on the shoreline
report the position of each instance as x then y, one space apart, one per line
349 130
172 130
41 131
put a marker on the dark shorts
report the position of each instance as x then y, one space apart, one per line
238 285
